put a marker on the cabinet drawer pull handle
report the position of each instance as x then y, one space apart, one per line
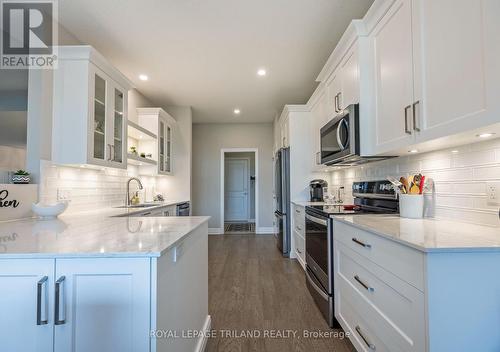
361 243
298 250
365 340
39 288
298 228
337 105
297 211
59 302
415 126
338 100
407 129
368 288
146 214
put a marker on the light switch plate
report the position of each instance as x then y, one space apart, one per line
493 193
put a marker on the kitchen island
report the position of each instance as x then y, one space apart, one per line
95 282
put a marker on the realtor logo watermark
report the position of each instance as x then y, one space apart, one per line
29 34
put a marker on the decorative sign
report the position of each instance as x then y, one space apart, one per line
16 201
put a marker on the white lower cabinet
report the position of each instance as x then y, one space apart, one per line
299 234
26 321
392 297
104 305
386 308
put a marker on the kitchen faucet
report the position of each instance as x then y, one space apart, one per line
128 201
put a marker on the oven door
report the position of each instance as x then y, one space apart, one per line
319 248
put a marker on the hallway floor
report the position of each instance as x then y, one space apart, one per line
254 290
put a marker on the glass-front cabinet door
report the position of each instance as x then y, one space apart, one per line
109 122
119 138
168 156
161 146
99 123
164 147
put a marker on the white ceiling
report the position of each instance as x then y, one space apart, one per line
206 53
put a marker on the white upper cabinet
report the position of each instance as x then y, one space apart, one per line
349 76
457 82
434 72
159 149
393 61
343 84
90 110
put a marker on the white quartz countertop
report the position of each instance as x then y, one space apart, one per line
95 234
428 235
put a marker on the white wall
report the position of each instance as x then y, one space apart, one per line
460 179
208 140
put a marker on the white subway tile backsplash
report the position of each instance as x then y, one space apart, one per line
460 179
92 188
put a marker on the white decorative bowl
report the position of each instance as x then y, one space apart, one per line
46 212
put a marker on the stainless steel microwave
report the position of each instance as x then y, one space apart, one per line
340 142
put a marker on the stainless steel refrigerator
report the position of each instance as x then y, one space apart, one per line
282 212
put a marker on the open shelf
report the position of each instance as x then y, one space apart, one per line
140 133
137 160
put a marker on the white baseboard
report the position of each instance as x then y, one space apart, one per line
202 341
264 230
215 231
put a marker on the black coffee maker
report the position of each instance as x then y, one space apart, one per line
317 189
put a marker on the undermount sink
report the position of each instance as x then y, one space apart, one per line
136 206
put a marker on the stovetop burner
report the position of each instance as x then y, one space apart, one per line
373 197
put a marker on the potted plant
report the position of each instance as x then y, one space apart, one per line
21 177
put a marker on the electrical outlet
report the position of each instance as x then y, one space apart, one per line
493 193
63 194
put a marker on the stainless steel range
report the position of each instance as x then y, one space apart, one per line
369 197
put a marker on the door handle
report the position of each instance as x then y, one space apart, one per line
407 129
59 302
41 298
415 126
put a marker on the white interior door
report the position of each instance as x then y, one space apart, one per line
236 179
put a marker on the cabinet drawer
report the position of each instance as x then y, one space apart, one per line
299 222
397 302
404 262
369 326
300 246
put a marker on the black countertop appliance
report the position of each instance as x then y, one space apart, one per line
317 189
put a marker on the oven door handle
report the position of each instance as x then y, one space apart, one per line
315 286
316 220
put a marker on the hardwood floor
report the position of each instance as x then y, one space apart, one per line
253 289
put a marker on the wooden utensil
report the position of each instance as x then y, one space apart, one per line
405 187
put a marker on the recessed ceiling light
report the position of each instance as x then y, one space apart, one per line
454 151
261 72
413 151
485 135
237 111
143 77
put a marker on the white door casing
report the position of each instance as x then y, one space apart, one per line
236 188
